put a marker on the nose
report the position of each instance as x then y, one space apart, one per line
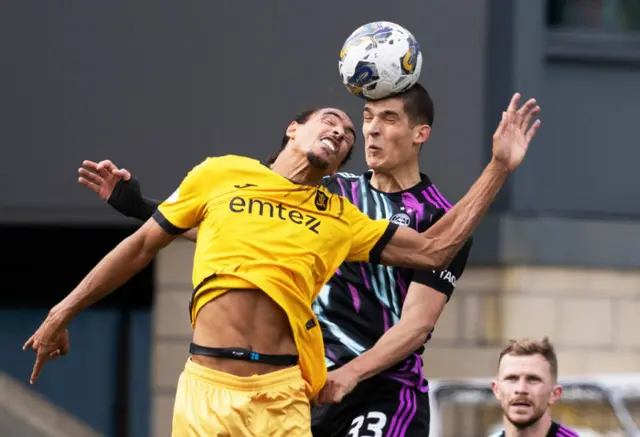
521 387
338 132
371 128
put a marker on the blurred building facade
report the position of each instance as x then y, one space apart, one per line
157 87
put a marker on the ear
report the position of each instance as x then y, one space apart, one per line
291 130
421 133
555 394
494 387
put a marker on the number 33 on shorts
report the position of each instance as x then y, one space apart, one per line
369 425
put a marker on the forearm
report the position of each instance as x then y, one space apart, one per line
115 269
447 236
394 346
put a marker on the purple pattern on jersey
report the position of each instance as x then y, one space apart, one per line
365 277
402 285
412 204
354 293
408 372
375 294
563 431
404 414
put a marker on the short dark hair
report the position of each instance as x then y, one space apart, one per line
302 118
418 105
528 347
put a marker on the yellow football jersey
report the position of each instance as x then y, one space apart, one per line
258 229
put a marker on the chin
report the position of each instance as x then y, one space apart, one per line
317 161
375 164
522 422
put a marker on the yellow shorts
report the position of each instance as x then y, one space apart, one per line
211 403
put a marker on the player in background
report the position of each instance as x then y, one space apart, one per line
526 387
374 319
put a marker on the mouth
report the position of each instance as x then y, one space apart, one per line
330 143
521 404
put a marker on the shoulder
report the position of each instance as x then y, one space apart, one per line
341 183
564 431
227 162
341 177
232 160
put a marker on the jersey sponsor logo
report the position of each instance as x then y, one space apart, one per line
400 219
446 275
264 208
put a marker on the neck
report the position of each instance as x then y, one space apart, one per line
398 179
295 166
538 429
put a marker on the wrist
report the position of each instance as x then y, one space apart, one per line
498 166
357 369
61 314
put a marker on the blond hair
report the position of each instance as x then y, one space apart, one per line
527 347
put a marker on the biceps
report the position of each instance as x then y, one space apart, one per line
191 235
153 237
407 248
424 303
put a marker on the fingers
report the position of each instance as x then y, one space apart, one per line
513 104
93 166
90 177
37 369
502 126
524 110
106 167
29 343
526 121
532 131
123 173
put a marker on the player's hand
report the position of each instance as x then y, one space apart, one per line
512 137
102 177
50 341
340 383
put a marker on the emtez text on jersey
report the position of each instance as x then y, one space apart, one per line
265 208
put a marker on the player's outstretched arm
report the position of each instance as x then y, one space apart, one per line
436 247
116 268
121 190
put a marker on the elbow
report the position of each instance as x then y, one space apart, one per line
418 329
415 327
423 333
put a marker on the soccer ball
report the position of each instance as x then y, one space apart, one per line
380 59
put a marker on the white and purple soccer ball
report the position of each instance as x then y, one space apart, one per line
380 59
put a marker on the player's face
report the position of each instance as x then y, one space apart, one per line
390 140
525 388
326 138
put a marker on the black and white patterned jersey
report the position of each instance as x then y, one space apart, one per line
362 301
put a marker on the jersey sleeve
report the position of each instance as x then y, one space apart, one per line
369 237
187 206
445 280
